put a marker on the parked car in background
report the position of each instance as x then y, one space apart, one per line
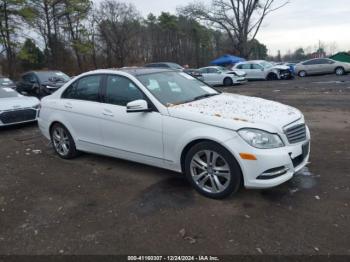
169 119
320 66
7 82
217 75
168 65
260 69
41 83
16 108
195 73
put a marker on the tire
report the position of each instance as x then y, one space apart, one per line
302 73
228 82
204 175
340 71
271 76
63 142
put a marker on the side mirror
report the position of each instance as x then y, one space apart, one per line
137 106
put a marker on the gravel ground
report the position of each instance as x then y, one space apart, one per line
100 205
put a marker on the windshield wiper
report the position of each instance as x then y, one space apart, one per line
204 96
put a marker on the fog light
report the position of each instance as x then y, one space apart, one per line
273 173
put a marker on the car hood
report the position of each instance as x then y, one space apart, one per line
19 102
237 111
54 84
281 67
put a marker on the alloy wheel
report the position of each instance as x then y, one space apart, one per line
210 171
61 141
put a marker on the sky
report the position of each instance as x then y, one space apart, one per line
302 23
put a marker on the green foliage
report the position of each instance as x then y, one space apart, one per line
30 56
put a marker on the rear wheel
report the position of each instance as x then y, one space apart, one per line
212 170
339 71
228 82
302 73
63 142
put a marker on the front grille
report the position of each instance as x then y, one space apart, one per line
296 134
11 117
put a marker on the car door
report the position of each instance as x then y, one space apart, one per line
248 69
133 136
215 77
326 66
312 67
206 76
80 110
257 71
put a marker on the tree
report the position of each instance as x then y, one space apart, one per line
240 19
30 56
74 13
44 19
119 25
11 11
258 50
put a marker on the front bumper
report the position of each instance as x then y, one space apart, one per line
18 116
291 159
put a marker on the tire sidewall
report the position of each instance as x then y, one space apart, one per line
342 71
72 149
236 174
228 81
302 73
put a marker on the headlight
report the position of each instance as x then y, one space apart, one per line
260 139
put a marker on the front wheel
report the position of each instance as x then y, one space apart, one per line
271 77
212 170
228 82
63 142
302 73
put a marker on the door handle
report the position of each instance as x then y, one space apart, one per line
68 105
107 113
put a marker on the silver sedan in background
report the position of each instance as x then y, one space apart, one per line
321 66
217 75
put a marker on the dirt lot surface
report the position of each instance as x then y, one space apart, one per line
100 205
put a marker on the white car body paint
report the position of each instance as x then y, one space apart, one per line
217 76
15 104
159 138
262 73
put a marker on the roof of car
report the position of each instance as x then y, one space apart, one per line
137 71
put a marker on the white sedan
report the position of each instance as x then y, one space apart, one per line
260 69
216 75
15 108
171 120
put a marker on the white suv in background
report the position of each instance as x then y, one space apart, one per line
171 120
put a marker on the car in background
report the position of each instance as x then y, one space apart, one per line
217 75
168 119
166 65
260 69
16 108
321 66
195 73
41 83
7 82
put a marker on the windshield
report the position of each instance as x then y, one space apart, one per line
172 88
5 82
6 92
53 77
266 64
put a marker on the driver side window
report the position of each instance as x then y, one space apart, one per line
120 91
256 66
